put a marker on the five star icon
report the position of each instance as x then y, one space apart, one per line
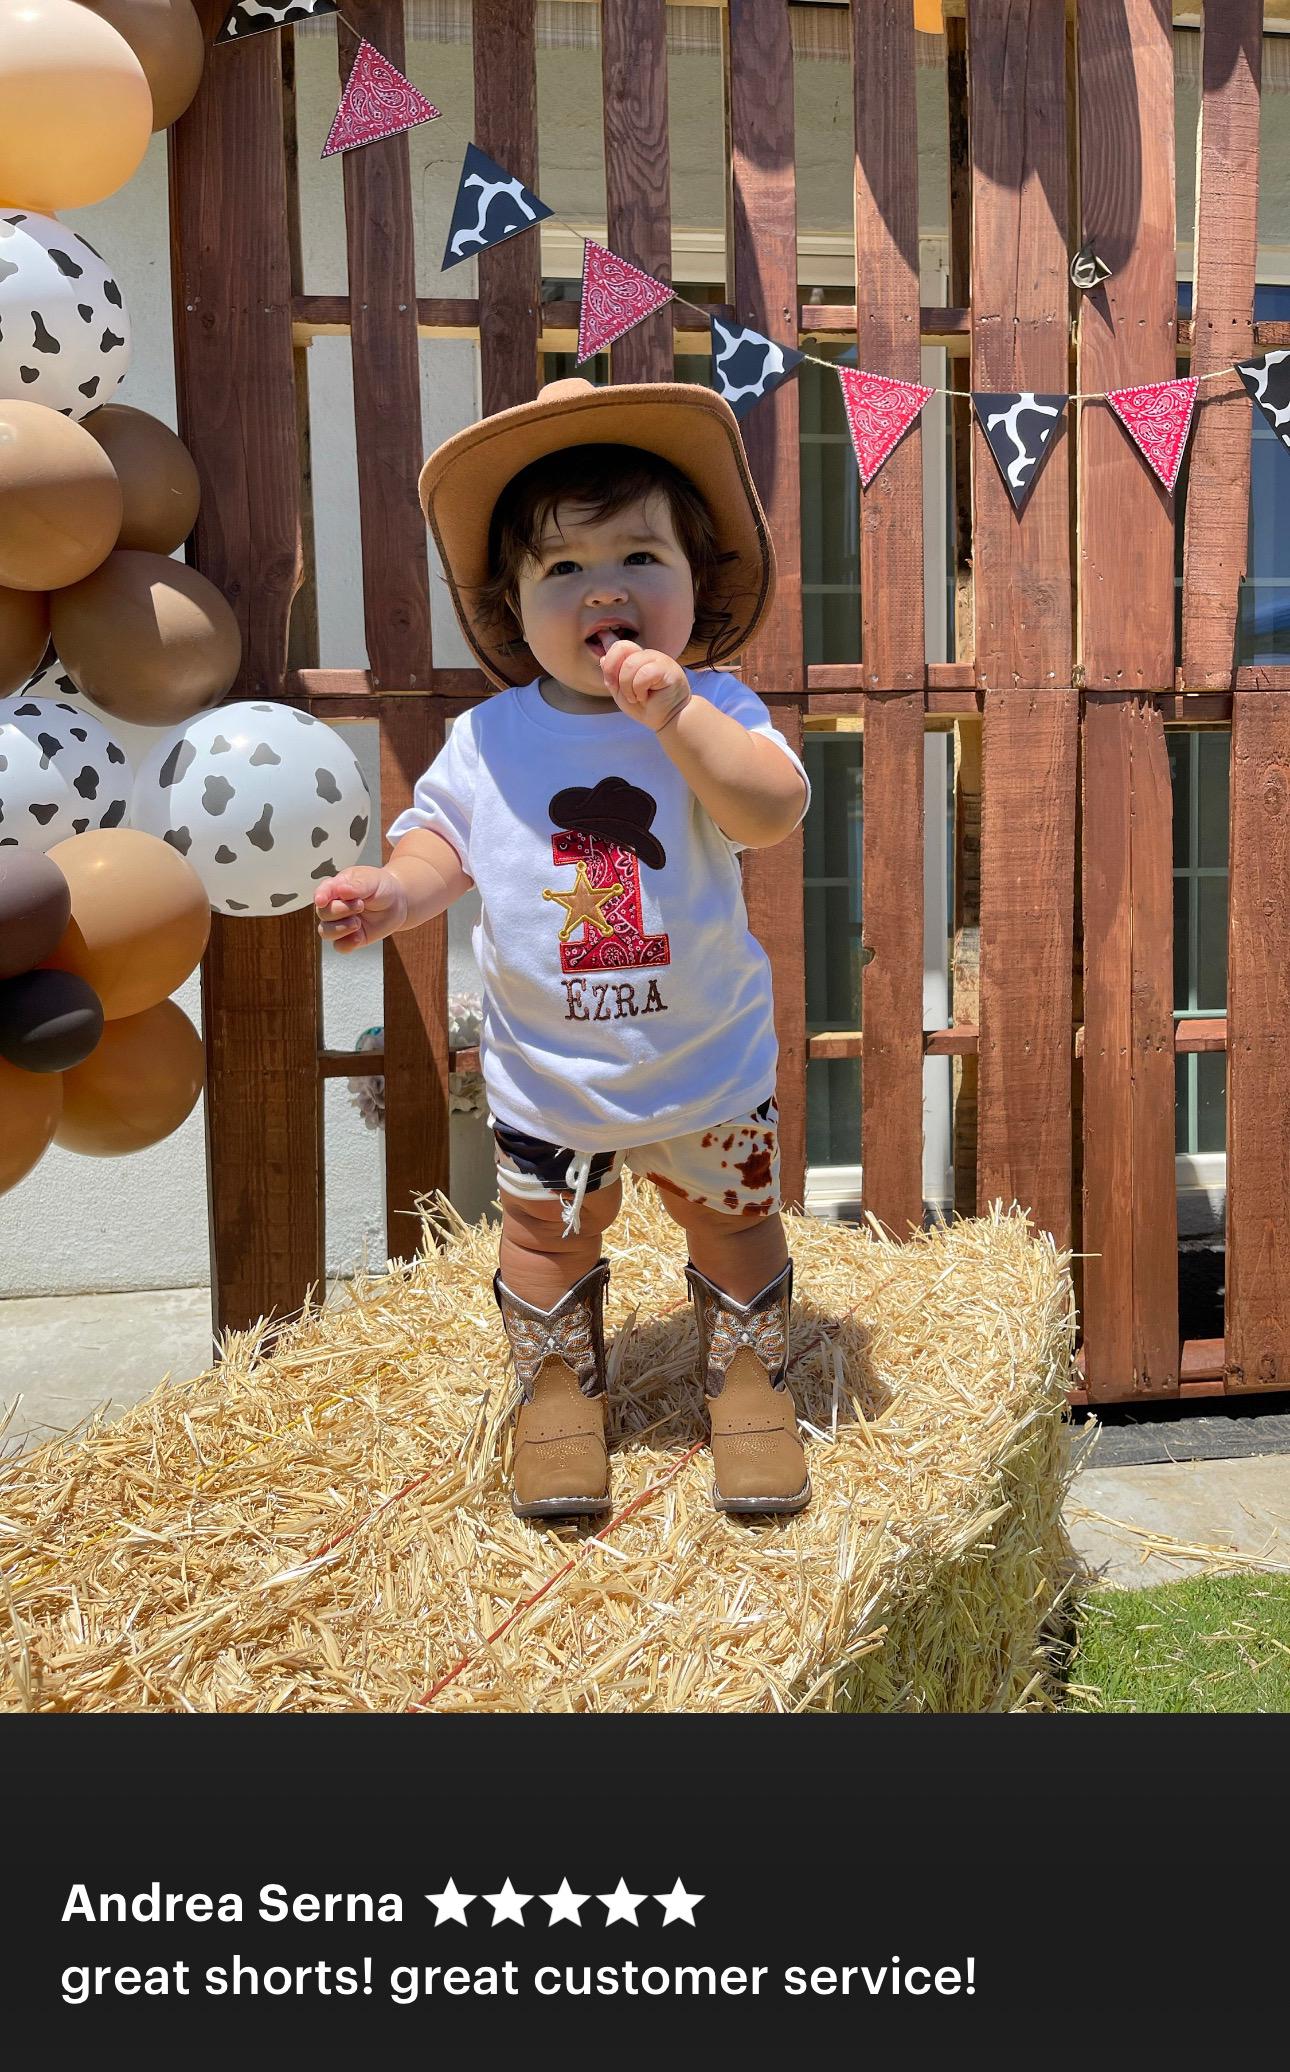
564 1904
450 1905
508 1904
678 1904
621 1905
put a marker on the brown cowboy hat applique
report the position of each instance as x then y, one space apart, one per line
614 809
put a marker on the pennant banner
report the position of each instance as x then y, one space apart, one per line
615 296
1267 380
1018 426
491 205
747 366
249 17
377 102
1158 419
879 413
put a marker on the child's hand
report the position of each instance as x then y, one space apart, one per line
359 906
647 685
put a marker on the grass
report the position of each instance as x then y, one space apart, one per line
1212 1644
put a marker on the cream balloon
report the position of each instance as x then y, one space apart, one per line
31 1105
140 918
75 109
60 501
166 37
141 1080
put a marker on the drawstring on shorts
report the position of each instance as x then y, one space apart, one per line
576 1175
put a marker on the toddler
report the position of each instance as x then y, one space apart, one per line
594 541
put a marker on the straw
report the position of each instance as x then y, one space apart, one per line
321 1521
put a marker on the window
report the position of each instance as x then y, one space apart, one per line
1198 764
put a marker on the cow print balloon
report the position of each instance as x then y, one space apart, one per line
61 773
64 328
264 801
52 681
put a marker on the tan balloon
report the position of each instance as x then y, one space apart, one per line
138 1084
147 638
30 1106
60 501
24 636
157 475
75 110
140 917
166 37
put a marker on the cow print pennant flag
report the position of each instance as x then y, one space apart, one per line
615 296
491 206
1157 418
747 366
879 412
377 102
249 17
1268 381
1018 425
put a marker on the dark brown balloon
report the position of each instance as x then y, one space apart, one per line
148 639
24 636
35 908
157 475
140 1084
30 1106
49 1021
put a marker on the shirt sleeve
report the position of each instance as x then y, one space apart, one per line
443 799
729 695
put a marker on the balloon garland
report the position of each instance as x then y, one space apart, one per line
108 879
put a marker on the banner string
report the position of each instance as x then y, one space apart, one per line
1072 396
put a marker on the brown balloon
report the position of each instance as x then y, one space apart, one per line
140 917
35 908
30 1107
24 636
60 501
139 1085
147 638
156 472
166 37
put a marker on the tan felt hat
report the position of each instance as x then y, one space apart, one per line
691 426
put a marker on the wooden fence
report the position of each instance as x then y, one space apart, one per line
1061 126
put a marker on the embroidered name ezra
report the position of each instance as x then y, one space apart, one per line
625 997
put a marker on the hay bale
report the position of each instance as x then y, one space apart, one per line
322 1523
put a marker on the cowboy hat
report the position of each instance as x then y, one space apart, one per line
691 426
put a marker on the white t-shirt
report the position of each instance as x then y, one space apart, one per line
625 998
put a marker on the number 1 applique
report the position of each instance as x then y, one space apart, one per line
603 832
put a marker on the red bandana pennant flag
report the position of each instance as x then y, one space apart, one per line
377 102
879 411
615 296
1158 419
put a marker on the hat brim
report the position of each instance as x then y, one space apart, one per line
691 426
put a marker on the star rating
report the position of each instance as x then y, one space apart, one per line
621 1905
450 1905
584 904
508 1904
678 1904
564 1904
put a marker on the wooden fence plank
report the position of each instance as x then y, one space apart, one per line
231 298
1257 1353
1226 253
415 974
1020 321
504 41
763 286
638 187
1126 615
387 380
1021 579
1027 920
893 648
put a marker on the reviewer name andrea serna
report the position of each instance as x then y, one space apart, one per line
272 1903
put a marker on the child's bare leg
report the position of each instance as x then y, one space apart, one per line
537 1261
739 1254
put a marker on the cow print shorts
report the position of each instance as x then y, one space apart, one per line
730 1166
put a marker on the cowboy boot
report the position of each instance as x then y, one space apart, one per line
561 1458
743 1349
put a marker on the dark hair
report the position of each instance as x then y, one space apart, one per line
606 478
